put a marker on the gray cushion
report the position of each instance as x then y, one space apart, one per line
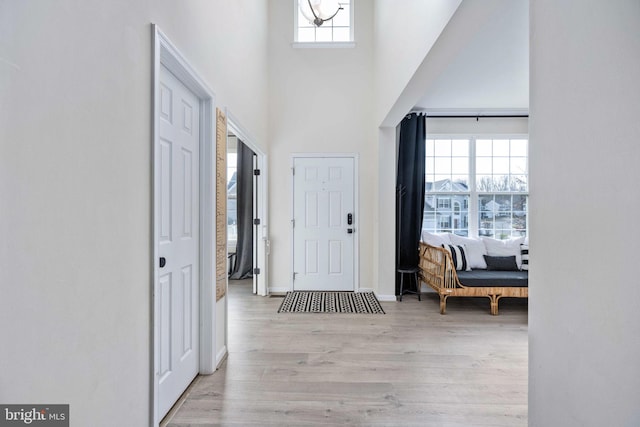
477 278
501 263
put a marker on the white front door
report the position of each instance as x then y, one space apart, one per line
177 212
323 224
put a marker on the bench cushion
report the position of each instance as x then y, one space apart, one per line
478 278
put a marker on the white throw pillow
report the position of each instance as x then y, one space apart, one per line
475 250
434 239
510 247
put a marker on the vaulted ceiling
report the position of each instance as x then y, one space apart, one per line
490 70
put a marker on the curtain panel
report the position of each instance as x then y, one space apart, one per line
410 187
243 267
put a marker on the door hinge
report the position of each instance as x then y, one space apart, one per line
293 171
256 221
256 271
256 172
293 223
294 276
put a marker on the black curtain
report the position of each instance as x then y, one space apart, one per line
243 266
410 188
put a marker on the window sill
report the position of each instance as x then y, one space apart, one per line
323 45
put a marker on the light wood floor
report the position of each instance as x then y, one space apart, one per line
409 367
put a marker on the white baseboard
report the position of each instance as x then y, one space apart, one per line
386 298
222 354
278 290
380 297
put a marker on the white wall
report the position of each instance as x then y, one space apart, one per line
491 67
584 305
402 37
404 33
320 100
75 183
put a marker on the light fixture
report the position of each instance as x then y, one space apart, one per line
319 11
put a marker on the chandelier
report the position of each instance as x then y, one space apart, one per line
319 11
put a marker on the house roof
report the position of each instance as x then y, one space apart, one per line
447 185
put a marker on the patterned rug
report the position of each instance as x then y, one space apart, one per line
330 302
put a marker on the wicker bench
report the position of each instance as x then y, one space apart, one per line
437 271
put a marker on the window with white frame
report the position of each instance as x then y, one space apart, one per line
477 186
444 202
339 29
446 207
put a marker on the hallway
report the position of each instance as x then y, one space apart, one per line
409 367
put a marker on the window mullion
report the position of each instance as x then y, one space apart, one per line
473 195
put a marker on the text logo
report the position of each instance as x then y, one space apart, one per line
34 415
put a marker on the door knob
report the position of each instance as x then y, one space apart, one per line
163 261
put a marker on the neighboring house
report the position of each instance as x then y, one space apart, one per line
492 209
446 212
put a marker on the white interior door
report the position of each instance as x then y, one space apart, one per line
323 224
177 288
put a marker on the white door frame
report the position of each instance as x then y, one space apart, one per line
167 55
262 239
356 212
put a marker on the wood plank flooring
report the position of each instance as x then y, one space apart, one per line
409 367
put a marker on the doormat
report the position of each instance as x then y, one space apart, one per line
330 302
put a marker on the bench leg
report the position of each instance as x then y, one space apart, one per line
443 303
494 304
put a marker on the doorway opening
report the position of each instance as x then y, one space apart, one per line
241 212
247 242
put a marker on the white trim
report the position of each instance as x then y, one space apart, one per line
323 45
233 125
387 298
434 113
472 223
166 54
222 354
477 135
279 289
356 210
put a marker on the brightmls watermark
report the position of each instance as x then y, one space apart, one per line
34 415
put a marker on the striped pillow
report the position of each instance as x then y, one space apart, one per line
524 250
458 256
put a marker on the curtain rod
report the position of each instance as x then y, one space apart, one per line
471 116
480 116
